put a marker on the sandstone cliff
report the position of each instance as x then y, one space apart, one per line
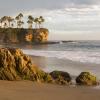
20 35
37 35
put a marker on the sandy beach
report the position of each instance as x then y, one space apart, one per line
28 90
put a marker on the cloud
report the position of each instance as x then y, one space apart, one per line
15 6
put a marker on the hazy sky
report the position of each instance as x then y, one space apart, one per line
66 19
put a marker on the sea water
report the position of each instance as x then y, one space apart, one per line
82 51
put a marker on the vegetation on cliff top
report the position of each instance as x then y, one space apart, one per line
17 22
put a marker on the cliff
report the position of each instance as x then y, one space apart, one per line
21 35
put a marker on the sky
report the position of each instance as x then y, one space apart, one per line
65 19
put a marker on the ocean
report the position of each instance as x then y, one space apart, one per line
73 57
82 51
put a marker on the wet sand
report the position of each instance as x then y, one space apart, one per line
27 90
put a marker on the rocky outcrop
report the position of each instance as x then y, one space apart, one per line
14 65
61 77
21 35
40 35
37 35
86 78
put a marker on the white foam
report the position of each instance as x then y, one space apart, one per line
81 56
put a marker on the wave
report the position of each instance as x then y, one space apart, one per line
80 56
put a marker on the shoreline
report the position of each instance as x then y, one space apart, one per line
74 68
28 90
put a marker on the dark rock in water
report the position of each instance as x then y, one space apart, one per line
14 65
86 78
61 77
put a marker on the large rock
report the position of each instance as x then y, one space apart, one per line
14 65
40 35
61 77
86 78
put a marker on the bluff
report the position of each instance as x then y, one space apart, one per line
21 35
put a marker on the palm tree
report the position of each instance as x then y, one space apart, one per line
10 19
39 21
30 21
20 23
19 20
36 22
4 20
20 15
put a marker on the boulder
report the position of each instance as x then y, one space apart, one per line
15 65
40 35
86 78
61 77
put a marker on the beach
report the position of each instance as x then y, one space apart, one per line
28 90
60 57
50 50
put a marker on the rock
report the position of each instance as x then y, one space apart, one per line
61 77
45 77
40 35
14 65
86 78
23 35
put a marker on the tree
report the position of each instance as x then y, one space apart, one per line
10 19
36 22
40 20
30 21
20 15
20 24
4 21
19 20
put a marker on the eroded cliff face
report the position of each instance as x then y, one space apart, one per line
15 35
37 35
40 35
